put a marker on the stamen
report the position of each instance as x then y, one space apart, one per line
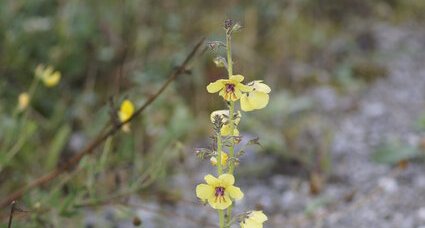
219 194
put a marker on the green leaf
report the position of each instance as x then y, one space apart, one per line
66 208
392 153
61 138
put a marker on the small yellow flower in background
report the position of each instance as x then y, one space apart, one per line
226 128
230 89
126 111
219 192
255 219
257 98
23 101
49 77
224 158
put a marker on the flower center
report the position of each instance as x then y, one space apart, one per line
219 191
230 88
219 194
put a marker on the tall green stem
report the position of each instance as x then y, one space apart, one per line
231 115
219 172
229 54
232 141
221 218
219 149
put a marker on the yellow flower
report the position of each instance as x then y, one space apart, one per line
257 98
219 192
230 89
224 158
126 111
226 129
49 77
255 219
23 101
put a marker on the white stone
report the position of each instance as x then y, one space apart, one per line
389 185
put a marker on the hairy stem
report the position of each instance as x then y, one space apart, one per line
221 218
231 115
219 149
229 54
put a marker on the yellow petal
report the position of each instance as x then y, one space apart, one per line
237 78
227 179
249 223
258 100
235 192
211 180
261 87
220 205
243 88
51 80
204 191
258 216
236 132
126 110
223 93
216 86
225 130
224 158
23 101
245 104
237 95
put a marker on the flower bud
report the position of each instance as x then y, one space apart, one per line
220 61
23 101
228 23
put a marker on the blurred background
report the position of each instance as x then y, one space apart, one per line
342 138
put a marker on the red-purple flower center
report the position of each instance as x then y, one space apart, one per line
230 88
219 191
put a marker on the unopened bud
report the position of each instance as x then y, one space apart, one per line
220 61
228 23
237 139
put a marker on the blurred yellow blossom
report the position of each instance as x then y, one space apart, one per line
257 98
49 77
23 101
125 112
226 128
224 158
230 89
219 192
255 219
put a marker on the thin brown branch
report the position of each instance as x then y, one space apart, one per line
12 211
100 138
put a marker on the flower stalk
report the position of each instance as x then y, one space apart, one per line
231 112
220 192
219 172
